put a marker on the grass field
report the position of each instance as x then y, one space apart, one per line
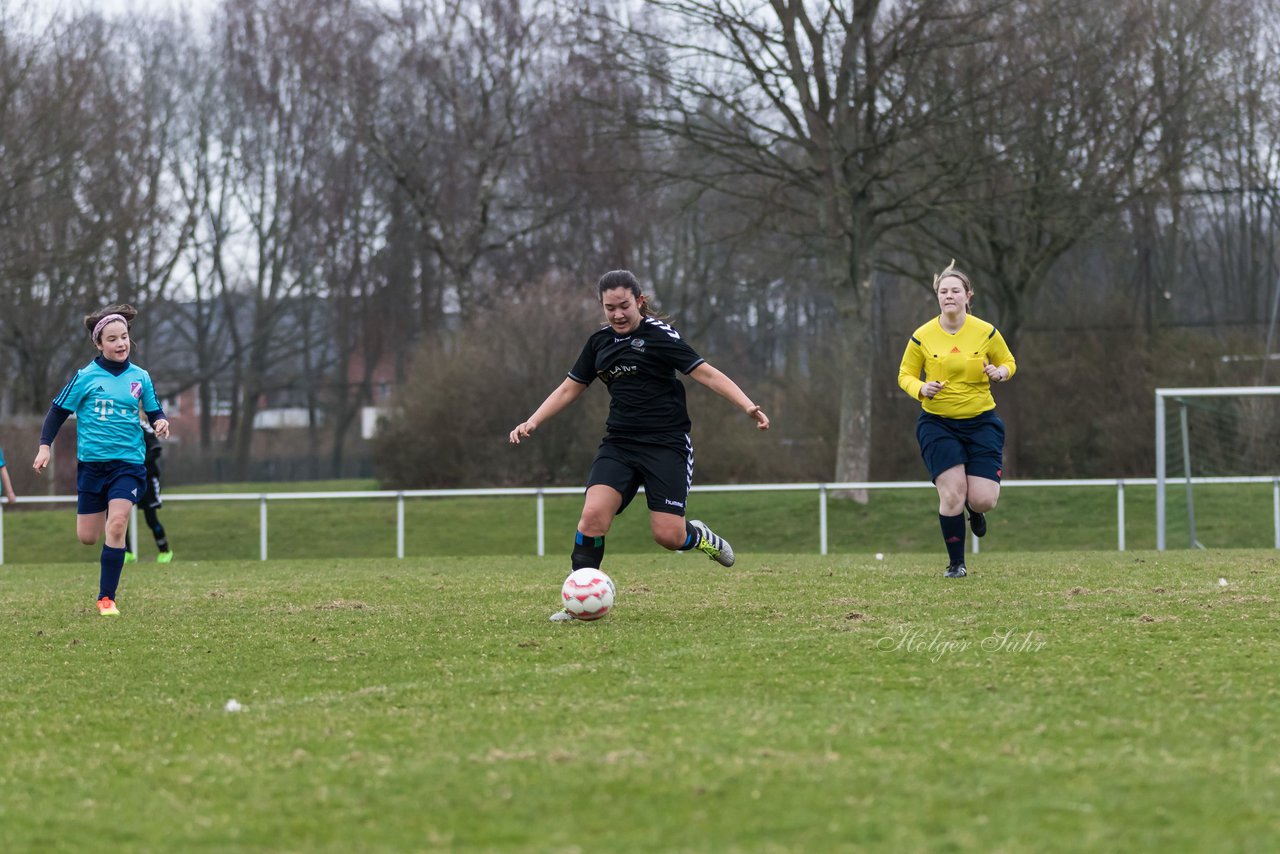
1052 701
894 521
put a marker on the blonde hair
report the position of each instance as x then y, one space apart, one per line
952 271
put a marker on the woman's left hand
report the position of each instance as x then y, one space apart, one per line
996 373
762 420
162 428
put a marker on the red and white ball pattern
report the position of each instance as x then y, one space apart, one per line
588 594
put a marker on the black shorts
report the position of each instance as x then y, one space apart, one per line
976 443
663 468
151 495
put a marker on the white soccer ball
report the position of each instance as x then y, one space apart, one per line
588 594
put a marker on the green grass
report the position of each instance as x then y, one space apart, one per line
1051 701
893 522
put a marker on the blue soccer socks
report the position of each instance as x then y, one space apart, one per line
112 564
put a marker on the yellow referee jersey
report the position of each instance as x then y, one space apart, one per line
956 359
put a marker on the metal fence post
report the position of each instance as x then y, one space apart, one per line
262 526
400 526
822 517
542 517
1120 511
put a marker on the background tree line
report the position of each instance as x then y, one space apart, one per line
299 193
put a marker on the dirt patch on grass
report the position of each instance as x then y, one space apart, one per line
342 605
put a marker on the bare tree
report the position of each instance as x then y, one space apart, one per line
452 128
825 108
363 316
1101 107
1229 209
275 121
199 335
82 213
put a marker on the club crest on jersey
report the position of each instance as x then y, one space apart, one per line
135 391
637 343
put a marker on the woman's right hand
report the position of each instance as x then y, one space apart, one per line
522 431
42 459
932 388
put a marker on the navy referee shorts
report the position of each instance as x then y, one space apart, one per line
976 443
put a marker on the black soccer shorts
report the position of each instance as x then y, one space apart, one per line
664 468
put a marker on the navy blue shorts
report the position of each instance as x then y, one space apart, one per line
99 482
664 469
976 443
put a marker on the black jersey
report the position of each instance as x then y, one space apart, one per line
645 395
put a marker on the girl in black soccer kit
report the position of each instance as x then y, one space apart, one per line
647 443
151 500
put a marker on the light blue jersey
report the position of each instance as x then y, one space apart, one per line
106 408
1 457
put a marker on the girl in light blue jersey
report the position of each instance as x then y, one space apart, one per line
9 494
110 475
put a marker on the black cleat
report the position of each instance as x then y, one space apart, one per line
978 523
956 570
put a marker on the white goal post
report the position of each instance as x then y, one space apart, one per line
1165 395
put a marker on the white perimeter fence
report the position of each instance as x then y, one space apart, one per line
539 495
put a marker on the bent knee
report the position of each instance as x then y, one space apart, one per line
982 505
594 524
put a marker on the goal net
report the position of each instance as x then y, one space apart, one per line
1217 463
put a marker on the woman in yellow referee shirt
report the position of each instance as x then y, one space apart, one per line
961 438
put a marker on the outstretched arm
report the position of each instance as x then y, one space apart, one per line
8 485
566 393
52 423
715 380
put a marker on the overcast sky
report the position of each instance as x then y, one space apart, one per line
110 7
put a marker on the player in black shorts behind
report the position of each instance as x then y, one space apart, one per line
646 442
151 500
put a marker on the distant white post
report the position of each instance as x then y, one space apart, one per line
262 527
542 518
400 526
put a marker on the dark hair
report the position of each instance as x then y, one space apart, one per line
128 312
626 279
